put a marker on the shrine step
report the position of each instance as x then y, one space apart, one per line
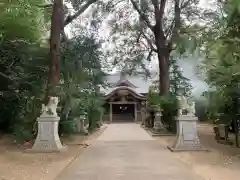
122 118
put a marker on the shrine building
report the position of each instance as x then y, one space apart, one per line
125 99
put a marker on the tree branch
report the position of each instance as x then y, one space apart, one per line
177 24
188 30
162 8
185 4
70 18
149 41
138 37
155 5
64 37
45 5
141 14
145 45
149 55
159 12
169 30
5 76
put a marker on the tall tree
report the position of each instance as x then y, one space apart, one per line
167 21
57 22
162 26
221 64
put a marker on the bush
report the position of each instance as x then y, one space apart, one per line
66 127
67 123
169 105
94 116
22 133
201 108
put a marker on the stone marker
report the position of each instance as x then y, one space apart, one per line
48 139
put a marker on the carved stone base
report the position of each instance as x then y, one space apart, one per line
158 128
187 138
47 139
160 133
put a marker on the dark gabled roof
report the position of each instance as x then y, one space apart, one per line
129 89
136 82
125 82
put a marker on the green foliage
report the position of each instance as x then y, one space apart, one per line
95 111
168 105
81 77
221 65
21 20
179 85
201 108
153 98
23 69
23 66
22 133
170 108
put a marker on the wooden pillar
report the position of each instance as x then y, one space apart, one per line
110 112
135 111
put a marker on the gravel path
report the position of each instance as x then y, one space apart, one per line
127 152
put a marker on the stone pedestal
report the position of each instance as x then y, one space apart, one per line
187 138
158 126
48 139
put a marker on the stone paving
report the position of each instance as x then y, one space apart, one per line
127 152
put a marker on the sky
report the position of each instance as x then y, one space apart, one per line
188 65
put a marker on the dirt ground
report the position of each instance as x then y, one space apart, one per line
222 162
15 164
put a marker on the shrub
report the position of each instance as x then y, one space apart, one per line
169 105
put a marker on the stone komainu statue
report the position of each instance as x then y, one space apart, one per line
51 107
186 104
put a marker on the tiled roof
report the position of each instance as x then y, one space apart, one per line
142 83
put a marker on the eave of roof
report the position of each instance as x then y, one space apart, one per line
138 95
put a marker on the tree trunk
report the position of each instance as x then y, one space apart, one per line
163 57
57 22
164 79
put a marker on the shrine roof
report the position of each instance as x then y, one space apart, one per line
138 83
131 90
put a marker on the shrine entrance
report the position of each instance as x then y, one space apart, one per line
123 112
123 103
